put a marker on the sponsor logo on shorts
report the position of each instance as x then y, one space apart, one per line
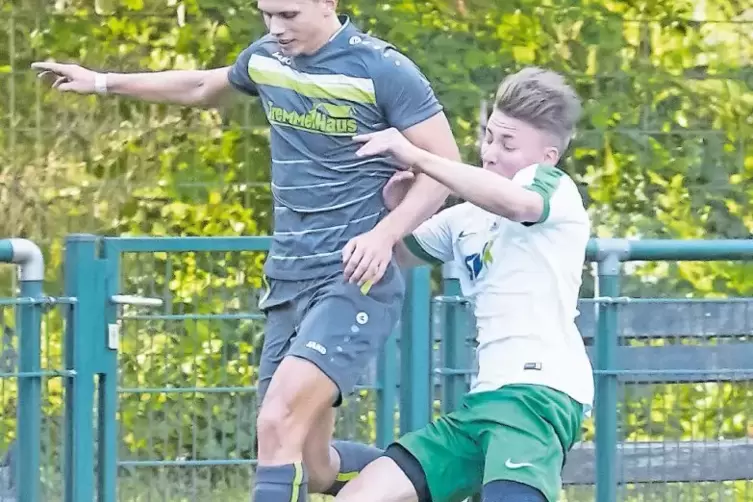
317 347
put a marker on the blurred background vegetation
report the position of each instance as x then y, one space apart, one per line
662 151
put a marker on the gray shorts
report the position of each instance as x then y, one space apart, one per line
330 323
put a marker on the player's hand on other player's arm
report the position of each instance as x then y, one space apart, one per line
67 77
389 141
396 188
366 257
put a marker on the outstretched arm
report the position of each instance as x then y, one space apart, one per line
482 188
202 88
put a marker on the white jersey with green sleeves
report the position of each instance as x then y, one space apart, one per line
524 282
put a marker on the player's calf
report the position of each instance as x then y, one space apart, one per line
351 459
297 396
330 464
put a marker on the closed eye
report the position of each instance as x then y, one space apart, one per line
288 14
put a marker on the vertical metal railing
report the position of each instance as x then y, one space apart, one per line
30 263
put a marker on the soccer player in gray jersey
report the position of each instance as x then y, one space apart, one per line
335 292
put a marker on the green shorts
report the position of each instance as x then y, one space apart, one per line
516 433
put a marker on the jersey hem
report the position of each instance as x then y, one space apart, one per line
524 382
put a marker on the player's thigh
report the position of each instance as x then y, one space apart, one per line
343 329
526 432
297 396
513 454
279 331
443 463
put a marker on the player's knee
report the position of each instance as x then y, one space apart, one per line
510 491
278 426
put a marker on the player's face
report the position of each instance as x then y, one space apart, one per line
511 145
300 26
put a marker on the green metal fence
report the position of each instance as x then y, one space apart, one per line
32 378
176 352
156 341
673 418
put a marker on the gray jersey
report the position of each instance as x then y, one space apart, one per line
323 194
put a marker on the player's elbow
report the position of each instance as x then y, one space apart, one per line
210 89
525 210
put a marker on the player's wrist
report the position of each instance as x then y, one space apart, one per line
419 159
389 231
100 83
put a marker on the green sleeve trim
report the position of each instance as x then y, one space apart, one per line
418 251
545 183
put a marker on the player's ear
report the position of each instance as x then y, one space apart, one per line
330 6
552 155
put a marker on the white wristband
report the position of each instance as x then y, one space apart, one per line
100 83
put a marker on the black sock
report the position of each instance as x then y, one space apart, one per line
353 458
510 491
280 483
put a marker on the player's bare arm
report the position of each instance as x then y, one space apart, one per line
423 199
485 189
426 195
393 194
199 88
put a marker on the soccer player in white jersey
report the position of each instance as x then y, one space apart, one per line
521 240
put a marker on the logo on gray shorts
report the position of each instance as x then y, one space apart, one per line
317 347
362 318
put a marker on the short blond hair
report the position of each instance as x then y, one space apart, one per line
543 99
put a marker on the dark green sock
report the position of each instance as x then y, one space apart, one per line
280 483
353 458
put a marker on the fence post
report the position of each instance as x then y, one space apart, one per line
610 253
81 273
455 332
108 377
415 352
28 322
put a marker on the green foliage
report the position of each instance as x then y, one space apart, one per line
662 151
